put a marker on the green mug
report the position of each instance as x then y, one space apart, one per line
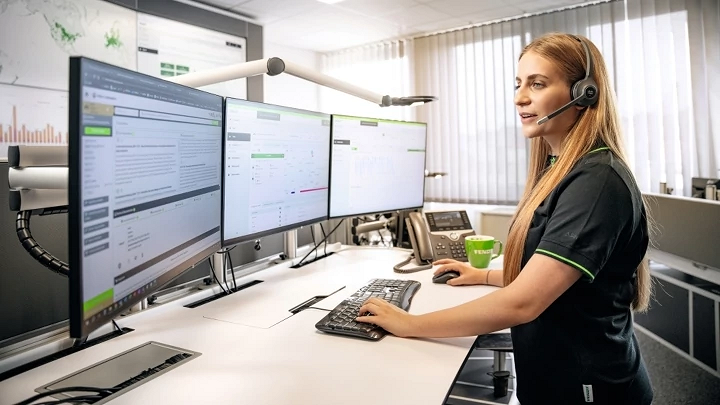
481 249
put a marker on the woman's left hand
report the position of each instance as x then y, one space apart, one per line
388 317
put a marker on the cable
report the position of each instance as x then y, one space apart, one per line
22 228
312 232
232 270
324 239
101 391
225 264
118 327
83 399
225 252
221 251
382 239
322 228
212 270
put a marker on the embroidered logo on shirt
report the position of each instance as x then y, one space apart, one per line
588 393
571 235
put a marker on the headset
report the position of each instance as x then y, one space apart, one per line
584 92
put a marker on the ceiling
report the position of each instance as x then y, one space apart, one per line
320 27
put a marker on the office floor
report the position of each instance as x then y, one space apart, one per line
676 380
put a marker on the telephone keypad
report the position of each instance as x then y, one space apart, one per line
457 250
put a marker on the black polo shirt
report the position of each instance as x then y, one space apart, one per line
582 349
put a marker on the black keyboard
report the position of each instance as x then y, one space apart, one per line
341 319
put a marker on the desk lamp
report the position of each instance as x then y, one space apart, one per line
38 175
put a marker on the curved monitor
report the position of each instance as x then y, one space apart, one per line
145 160
276 169
377 165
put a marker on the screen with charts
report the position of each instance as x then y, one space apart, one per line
377 165
277 169
145 170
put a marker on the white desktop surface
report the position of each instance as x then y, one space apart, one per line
289 362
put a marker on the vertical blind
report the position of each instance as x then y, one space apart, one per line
663 57
384 68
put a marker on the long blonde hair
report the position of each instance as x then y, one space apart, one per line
596 124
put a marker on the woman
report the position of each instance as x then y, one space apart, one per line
574 266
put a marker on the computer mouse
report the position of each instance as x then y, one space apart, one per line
444 277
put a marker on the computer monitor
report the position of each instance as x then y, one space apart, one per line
276 169
377 165
145 159
687 227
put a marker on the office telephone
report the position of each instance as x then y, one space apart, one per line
436 235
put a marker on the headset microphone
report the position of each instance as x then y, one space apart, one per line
559 110
584 92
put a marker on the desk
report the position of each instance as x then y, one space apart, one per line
289 362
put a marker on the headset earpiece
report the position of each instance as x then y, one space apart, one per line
588 90
585 90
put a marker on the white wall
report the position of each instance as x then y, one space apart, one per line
287 90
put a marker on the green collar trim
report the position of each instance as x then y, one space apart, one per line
599 149
554 159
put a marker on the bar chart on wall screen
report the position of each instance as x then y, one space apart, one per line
31 116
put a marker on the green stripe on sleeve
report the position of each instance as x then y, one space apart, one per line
568 261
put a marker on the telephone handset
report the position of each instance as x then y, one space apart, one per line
437 235
419 238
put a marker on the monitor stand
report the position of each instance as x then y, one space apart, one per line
314 259
316 249
124 371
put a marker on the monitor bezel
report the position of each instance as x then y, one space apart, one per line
332 138
76 297
254 236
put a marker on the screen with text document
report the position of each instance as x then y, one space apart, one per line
145 195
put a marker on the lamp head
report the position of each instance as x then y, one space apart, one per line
405 101
437 175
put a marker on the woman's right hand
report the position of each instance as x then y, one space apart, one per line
469 275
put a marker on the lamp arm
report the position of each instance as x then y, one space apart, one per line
274 66
270 66
339 85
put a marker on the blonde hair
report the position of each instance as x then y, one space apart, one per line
596 124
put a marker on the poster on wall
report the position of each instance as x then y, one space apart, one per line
168 48
41 36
